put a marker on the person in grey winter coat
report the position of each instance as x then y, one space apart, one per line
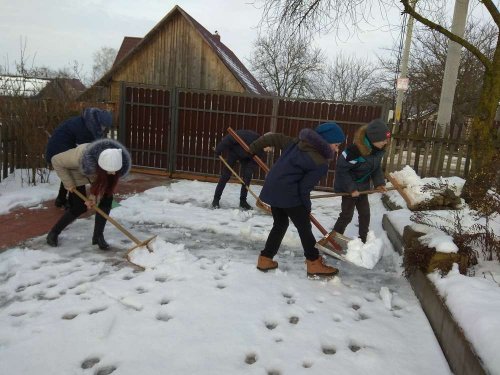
101 163
94 123
287 190
357 169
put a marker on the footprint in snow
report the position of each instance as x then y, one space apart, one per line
90 362
251 358
105 370
328 349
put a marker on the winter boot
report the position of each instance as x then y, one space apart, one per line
100 223
319 268
100 241
265 264
52 239
244 205
215 203
63 222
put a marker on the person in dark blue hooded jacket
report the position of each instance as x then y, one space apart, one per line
92 124
287 190
235 153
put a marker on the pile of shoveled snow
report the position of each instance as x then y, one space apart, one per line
367 254
157 252
413 186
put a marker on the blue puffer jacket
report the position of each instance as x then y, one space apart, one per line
359 165
78 130
297 171
230 145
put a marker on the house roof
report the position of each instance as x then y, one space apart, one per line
229 59
21 86
128 44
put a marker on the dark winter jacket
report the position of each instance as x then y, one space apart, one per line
297 171
279 142
78 130
359 165
230 145
77 167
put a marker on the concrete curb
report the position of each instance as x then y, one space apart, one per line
458 351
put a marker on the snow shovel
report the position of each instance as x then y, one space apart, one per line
347 194
400 190
259 203
138 243
337 253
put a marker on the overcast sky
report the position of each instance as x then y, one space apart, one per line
58 32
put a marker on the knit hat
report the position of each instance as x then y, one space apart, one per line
377 131
331 132
110 159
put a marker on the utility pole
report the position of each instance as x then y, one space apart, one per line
449 81
451 67
402 84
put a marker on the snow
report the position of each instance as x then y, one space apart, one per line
473 300
475 303
366 254
413 185
14 195
201 306
436 238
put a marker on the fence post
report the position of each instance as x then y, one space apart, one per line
123 112
174 128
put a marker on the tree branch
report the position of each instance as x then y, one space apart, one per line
493 10
434 26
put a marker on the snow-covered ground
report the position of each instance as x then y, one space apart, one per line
204 308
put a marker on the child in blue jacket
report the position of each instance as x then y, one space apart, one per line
287 190
358 167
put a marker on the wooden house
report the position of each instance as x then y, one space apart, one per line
177 52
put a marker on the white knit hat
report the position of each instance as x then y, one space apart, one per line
110 159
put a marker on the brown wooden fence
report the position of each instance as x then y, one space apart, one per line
25 126
198 119
416 143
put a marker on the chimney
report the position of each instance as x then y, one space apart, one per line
216 35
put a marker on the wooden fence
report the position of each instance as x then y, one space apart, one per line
418 144
26 125
177 130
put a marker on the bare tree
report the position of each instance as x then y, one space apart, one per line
348 79
103 61
286 65
320 15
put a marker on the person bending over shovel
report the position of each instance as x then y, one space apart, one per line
287 190
93 124
235 153
357 168
102 163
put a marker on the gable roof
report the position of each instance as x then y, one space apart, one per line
240 72
128 44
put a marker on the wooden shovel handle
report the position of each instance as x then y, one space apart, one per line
109 218
348 194
259 202
264 166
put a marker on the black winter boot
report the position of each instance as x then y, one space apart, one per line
63 222
52 239
244 205
100 241
215 203
100 223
